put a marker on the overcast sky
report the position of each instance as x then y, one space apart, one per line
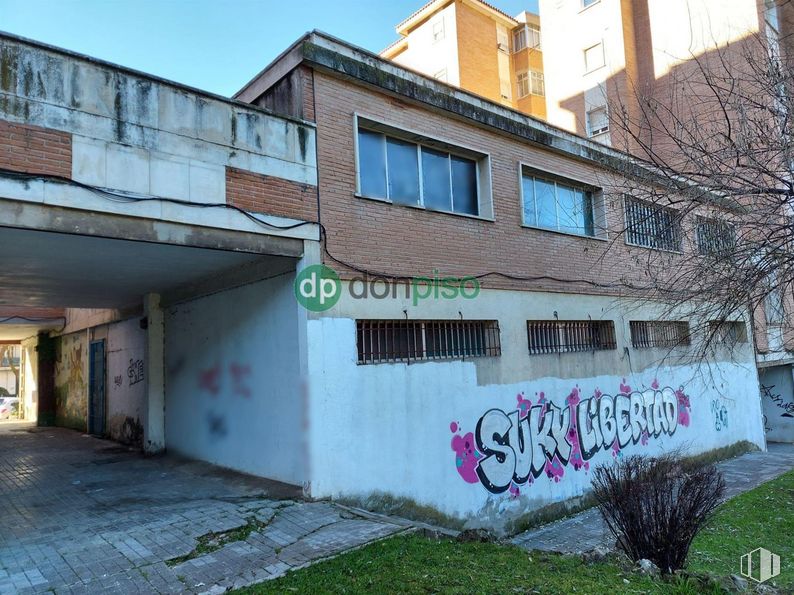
217 45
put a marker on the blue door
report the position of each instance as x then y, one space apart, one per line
96 388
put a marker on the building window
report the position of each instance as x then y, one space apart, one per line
597 121
527 36
537 84
570 336
594 57
658 333
772 29
586 3
728 332
406 341
773 302
652 226
411 173
523 84
714 237
438 30
557 205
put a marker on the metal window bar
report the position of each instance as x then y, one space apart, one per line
570 336
381 341
652 226
659 333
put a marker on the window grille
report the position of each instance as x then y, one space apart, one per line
659 333
715 236
570 336
728 332
389 341
652 226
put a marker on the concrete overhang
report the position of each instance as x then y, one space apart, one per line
18 324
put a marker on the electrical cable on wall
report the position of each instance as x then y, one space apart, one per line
120 196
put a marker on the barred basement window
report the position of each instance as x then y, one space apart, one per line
659 333
729 332
384 341
652 226
715 236
569 336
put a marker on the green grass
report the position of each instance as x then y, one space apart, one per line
763 517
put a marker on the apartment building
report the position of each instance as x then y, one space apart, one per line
482 352
477 47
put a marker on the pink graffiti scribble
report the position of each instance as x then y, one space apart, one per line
572 436
683 407
573 399
515 491
453 427
644 438
655 384
542 401
616 448
209 380
597 393
523 406
239 374
624 388
467 457
554 469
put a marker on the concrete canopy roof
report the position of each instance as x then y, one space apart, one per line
50 269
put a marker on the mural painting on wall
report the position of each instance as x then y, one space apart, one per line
509 450
770 393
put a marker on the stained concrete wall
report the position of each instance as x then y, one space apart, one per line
409 432
29 378
233 381
777 395
126 389
71 381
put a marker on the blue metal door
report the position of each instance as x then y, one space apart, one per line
96 388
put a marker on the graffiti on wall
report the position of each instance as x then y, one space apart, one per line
510 449
135 371
720 415
769 393
210 379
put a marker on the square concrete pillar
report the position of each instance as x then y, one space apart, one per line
154 406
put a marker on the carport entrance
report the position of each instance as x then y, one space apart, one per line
101 368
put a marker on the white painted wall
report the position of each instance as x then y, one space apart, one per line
234 392
126 386
777 396
386 428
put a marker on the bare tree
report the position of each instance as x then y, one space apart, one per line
710 188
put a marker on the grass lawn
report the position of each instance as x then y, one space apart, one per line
763 517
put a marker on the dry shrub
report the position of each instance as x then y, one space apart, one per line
656 506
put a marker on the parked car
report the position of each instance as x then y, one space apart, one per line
9 406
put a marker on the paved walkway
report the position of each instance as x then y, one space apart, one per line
586 530
83 515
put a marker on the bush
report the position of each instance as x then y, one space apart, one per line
656 506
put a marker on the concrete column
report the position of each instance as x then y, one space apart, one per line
154 406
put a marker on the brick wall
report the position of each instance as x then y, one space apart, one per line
267 194
407 241
33 149
477 54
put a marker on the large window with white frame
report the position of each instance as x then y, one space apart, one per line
527 36
597 121
594 57
522 79
409 169
537 84
561 205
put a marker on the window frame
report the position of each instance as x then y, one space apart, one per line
524 32
700 222
585 4
525 74
433 25
590 132
680 230
561 330
600 231
482 163
588 70
651 329
533 75
460 335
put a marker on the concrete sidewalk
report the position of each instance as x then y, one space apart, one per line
84 515
586 530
